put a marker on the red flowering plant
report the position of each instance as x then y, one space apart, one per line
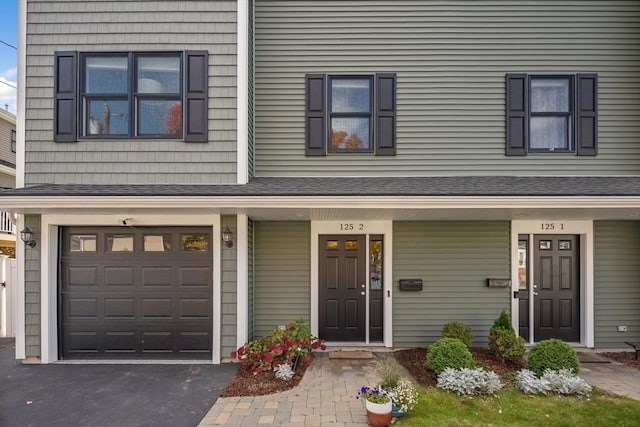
291 345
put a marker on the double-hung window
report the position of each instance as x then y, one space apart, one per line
551 114
350 114
131 95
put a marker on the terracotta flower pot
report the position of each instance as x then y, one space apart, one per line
379 414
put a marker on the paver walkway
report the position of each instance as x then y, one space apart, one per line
325 396
612 377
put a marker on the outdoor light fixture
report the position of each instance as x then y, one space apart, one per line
27 237
226 237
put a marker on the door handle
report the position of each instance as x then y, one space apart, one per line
535 294
363 293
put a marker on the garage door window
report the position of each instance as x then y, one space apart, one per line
157 242
195 242
82 243
119 242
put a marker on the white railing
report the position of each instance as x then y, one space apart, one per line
6 226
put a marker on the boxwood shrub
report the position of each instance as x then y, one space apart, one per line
552 354
449 353
458 330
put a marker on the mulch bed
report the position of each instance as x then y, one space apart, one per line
414 360
246 383
625 357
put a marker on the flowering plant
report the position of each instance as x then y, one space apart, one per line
373 395
291 345
404 395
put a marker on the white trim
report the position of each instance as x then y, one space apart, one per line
7 170
216 316
242 280
384 228
584 229
19 320
41 204
21 98
49 269
242 101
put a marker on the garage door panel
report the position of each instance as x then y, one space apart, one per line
157 276
82 276
157 308
83 307
119 300
194 308
119 308
119 276
194 276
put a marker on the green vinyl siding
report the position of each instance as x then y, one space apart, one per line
228 317
251 275
450 58
454 261
282 290
616 282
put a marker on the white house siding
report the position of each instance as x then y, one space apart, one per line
451 58
57 25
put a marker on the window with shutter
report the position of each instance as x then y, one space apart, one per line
131 95
350 114
551 114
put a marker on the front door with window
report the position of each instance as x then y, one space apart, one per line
556 289
342 287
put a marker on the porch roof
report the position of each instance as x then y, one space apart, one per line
458 186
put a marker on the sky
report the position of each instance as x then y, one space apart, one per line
8 55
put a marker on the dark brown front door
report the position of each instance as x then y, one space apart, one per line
342 287
556 287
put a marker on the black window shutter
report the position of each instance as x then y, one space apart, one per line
315 115
196 114
587 115
385 132
516 114
65 88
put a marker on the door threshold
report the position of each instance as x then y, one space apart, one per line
377 347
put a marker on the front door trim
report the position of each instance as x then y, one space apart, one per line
351 227
584 229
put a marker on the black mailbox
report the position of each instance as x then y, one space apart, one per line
410 284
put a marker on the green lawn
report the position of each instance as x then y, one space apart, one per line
513 408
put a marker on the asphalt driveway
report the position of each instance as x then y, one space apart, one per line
106 395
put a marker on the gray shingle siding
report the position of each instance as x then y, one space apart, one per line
451 58
55 25
32 285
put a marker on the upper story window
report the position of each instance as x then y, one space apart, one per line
350 114
551 114
131 95
13 140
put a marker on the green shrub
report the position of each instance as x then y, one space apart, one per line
552 354
502 322
508 346
458 330
449 353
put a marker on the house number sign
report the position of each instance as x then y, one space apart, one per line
548 226
348 226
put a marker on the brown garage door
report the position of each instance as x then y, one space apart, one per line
135 293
